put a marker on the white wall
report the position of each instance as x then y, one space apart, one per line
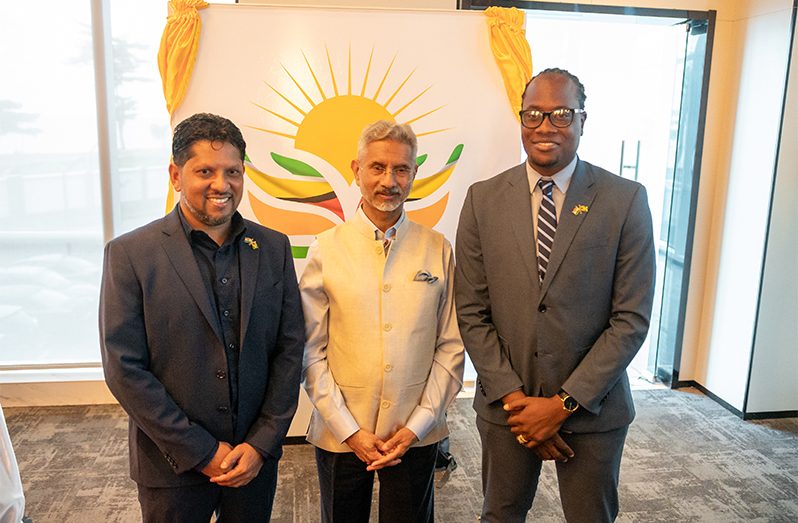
774 373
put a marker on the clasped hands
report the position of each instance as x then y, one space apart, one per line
536 422
378 454
233 466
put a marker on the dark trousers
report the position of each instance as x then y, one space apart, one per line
588 482
197 503
406 489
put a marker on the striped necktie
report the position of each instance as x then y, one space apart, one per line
547 226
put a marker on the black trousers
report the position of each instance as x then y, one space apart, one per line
197 503
406 489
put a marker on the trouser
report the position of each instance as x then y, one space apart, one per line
406 489
588 482
197 503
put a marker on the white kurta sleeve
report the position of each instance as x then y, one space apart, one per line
316 376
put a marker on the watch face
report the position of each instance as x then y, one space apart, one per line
570 403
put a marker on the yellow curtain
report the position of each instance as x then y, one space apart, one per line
178 50
176 56
511 51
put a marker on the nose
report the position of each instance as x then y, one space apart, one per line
220 183
388 178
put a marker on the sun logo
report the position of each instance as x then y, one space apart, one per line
328 125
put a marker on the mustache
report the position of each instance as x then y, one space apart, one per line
389 192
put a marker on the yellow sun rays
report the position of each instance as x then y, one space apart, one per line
325 95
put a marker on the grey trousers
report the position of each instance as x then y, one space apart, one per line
588 482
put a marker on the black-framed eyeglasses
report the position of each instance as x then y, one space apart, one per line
562 117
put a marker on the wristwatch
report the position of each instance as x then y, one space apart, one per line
568 403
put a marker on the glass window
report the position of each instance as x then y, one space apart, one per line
50 208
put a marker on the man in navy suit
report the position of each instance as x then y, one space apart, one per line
202 334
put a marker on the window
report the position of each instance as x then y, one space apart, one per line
51 199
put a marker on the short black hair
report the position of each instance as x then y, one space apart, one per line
204 126
580 89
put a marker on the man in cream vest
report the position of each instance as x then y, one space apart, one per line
383 357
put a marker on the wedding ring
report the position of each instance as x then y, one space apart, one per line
521 439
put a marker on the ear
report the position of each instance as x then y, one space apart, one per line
356 171
174 176
582 127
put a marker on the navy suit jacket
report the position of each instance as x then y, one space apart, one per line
164 359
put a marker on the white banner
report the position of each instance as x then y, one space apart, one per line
302 83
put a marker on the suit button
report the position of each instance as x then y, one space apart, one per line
231 346
222 409
541 308
221 374
385 404
224 281
226 314
379 249
387 327
388 367
386 287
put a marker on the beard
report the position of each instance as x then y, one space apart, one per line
211 221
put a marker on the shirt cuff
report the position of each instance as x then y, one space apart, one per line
342 425
421 422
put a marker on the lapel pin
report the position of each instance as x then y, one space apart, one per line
252 243
579 209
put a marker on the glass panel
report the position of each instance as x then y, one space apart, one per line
50 211
678 231
140 131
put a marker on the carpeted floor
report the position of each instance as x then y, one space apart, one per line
686 459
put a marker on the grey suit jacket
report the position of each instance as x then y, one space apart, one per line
163 356
581 328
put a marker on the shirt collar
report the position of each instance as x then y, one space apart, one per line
237 226
378 234
562 179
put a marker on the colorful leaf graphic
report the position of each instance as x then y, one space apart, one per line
314 192
296 167
288 222
423 187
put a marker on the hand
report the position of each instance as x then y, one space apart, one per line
554 448
214 467
241 465
538 419
366 446
394 448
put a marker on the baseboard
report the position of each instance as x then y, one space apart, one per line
771 415
55 393
711 395
745 416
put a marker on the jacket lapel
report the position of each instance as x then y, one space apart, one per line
249 260
180 255
581 191
518 212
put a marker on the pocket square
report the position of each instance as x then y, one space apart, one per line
423 275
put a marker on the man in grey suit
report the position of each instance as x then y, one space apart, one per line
554 285
202 334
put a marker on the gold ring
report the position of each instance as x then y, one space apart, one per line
521 439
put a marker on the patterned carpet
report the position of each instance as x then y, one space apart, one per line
686 459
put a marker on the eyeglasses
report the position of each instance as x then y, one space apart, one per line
561 118
379 170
